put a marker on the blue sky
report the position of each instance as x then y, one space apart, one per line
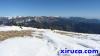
80 8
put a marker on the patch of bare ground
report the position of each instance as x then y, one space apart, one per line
9 34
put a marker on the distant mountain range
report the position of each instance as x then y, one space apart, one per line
74 24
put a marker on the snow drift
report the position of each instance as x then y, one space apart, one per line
47 43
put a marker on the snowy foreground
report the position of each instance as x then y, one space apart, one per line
47 42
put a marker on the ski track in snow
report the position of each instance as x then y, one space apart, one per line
48 45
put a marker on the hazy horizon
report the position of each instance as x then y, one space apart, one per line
65 8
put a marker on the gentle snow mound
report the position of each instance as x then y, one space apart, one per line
14 28
20 47
47 43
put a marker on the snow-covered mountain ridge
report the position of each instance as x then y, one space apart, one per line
46 42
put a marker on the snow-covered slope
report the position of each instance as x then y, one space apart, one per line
13 28
47 42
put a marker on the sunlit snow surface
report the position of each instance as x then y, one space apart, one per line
46 42
13 28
